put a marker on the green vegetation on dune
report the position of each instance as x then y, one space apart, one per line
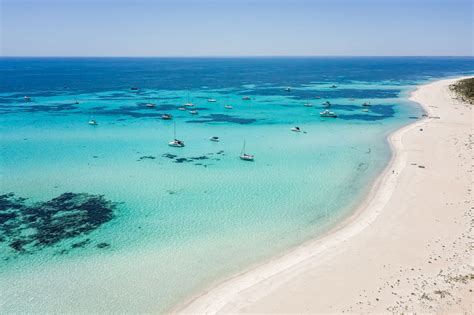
465 89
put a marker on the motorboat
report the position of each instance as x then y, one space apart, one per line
189 104
181 108
366 104
27 99
194 112
214 138
327 113
246 98
211 100
92 122
287 89
166 117
327 104
308 105
296 129
228 107
150 105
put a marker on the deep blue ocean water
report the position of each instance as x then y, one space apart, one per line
116 220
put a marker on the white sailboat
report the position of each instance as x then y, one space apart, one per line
244 156
176 143
189 104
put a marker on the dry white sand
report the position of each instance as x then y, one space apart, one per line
407 247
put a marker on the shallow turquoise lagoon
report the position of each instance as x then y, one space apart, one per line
182 219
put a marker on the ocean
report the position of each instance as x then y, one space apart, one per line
110 218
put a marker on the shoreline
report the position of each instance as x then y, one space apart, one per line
248 287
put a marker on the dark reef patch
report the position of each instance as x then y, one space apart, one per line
223 118
31 227
177 159
382 111
146 157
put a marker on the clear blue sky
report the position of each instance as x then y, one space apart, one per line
235 27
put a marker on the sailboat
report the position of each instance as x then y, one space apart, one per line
176 143
92 122
189 104
244 156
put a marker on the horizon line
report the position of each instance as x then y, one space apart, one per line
250 56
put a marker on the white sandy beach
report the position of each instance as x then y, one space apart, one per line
407 247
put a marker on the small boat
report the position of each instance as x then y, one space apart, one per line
296 129
228 107
366 104
365 110
176 143
212 100
244 156
194 112
214 138
327 104
317 97
76 102
246 98
27 99
166 117
181 108
287 89
308 105
134 88
333 86
92 122
150 105
189 104
327 113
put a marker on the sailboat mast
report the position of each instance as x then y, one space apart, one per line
174 129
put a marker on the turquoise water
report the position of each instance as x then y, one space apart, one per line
184 218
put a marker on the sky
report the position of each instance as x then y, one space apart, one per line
236 28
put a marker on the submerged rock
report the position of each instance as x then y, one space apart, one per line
30 227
